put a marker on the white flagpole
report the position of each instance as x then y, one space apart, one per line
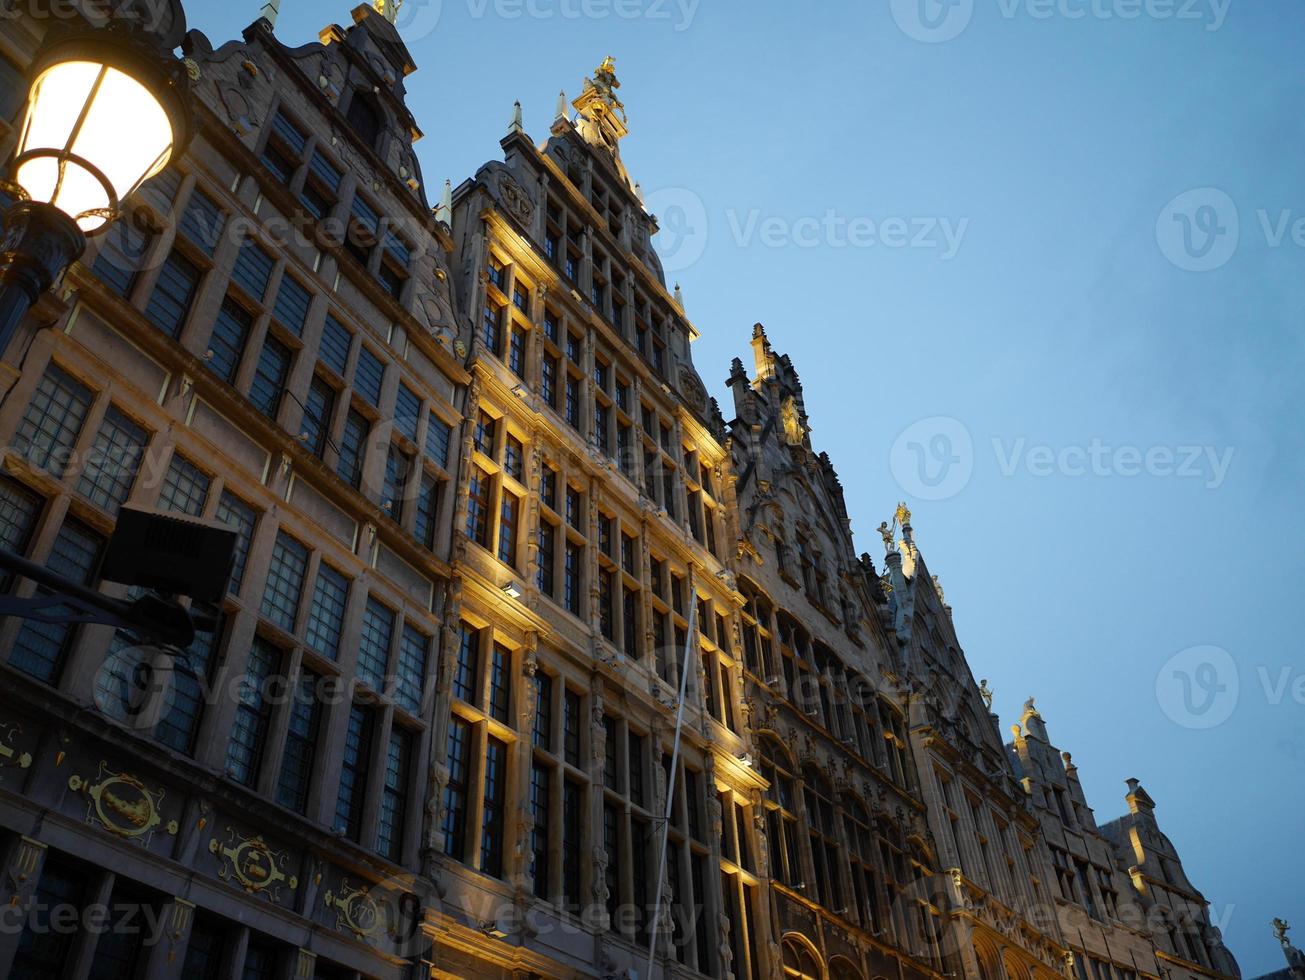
670 789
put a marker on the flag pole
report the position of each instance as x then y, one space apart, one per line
670 789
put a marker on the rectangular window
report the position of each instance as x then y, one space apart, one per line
428 506
636 751
572 819
571 727
300 744
398 466
455 791
292 302
239 515
169 304
484 436
500 684
318 410
285 581
226 344
575 508
407 411
40 648
253 270
410 684
42 951
19 511
630 622
353 773
369 376
547 558
497 274
491 328
326 613
185 487
467 673
374 643
334 348
539 832
548 368
571 576
202 222
438 434
507 530
548 487
542 736
253 712
478 507
514 457
394 795
52 422
517 352
573 401
270 377
179 727
111 467
119 261
491 827
606 608
353 445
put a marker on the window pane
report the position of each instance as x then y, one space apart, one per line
300 744
185 488
40 647
249 732
235 512
202 221
334 349
253 270
227 342
292 302
407 412
437 441
326 613
353 773
285 581
369 376
111 467
20 509
270 378
413 646
394 796
374 643
170 302
54 418
353 444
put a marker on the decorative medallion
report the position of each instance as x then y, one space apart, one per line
122 804
355 910
517 201
252 864
9 756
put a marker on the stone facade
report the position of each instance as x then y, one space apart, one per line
485 504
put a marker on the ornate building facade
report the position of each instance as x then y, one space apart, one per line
530 659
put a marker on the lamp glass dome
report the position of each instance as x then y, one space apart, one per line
93 135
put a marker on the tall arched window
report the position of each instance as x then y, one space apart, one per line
365 118
824 840
841 968
758 648
799 962
865 876
781 816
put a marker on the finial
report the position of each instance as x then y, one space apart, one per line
679 296
985 692
561 112
638 191
444 211
903 516
516 126
389 9
271 10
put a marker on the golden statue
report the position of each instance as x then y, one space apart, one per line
903 517
606 83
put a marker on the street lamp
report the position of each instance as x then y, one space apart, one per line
107 110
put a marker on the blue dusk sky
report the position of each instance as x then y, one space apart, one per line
1041 267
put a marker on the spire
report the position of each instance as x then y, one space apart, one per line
444 211
389 9
515 126
679 296
561 112
271 10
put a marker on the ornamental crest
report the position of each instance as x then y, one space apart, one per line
252 864
9 755
355 910
122 804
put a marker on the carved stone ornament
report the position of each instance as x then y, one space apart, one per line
122 804
252 864
10 756
694 393
355 910
517 201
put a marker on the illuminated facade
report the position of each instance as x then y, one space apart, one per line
485 503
